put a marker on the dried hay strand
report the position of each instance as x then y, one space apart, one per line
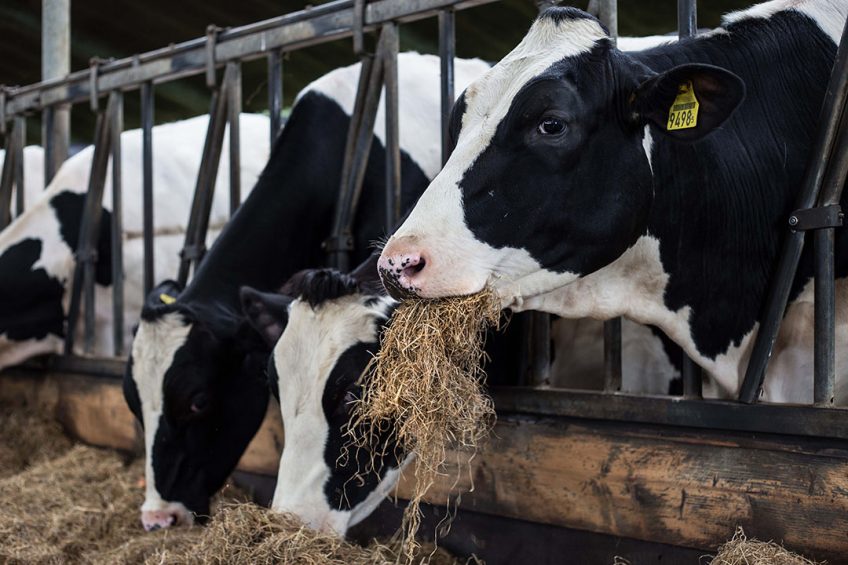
28 438
424 388
743 551
246 533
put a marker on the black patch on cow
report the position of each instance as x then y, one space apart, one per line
357 473
69 208
30 299
316 286
718 206
560 14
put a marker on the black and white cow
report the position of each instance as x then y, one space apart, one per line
196 375
37 249
33 174
568 193
324 326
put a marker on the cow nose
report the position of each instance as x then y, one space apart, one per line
153 520
401 271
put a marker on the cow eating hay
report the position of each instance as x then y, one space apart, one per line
425 388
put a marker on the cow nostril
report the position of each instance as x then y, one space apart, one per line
152 527
172 520
413 270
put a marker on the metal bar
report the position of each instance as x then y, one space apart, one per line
388 57
692 378
709 414
233 87
56 64
608 14
7 180
147 100
447 53
198 223
687 18
86 253
612 355
20 143
313 26
117 127
782 279
275 93
47 141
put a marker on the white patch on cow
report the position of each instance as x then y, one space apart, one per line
418 80
626 43
153 352
33 175
463 263
304 357
829 15
648 146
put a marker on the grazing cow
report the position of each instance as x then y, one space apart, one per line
37 249
33 174
195 379
591 182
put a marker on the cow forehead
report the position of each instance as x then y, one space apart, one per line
549 41
153 350
315 338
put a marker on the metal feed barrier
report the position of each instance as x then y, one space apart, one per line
817 210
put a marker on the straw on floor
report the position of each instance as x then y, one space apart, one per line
741 550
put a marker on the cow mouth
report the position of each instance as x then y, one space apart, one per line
391 282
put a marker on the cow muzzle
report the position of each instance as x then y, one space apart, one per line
172 514
403 268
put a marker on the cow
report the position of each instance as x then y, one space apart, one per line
581 186
33 173
37 249
195 378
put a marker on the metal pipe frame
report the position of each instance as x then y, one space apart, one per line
312 26
447 54
275 93
198 224
20 141
389 60
147 106
234 111
86 253
836 97
116 124
7 178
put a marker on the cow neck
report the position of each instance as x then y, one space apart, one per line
278 230
720 214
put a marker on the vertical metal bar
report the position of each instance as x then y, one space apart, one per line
608 14
833 105
388 57
48 142
612 355
201 205
83 280
117 126
20 142
7 180
56 63
275 92
233 87
447 54
147 183
687 18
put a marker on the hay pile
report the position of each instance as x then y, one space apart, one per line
743 551
28 438
425 388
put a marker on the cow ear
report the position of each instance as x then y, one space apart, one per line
688 102
267 312
166 292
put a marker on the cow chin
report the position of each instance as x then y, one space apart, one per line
165 515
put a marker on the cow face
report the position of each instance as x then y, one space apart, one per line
331 332
200 402
550 178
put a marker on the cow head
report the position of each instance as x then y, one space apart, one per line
330 329
199 395
551 176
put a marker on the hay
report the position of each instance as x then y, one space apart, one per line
28 438
425 388
743 551
246 533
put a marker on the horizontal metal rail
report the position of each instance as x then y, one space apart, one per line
293 31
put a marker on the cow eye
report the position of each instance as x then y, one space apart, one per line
551 126
199 404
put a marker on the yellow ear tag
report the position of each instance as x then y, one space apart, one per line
684 111
167 298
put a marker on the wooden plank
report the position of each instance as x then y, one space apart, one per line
658 487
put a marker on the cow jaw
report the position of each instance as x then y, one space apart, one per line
154 347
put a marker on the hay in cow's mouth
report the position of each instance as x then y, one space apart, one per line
425 388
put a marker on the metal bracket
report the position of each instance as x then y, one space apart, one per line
816 218
94 94
212 32
193 252
359 29
86 255
338 243
3 109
